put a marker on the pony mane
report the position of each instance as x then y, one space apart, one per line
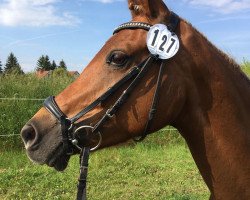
233 66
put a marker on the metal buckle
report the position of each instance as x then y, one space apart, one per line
71 124
108 114
135 68
75 143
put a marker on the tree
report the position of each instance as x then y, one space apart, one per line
43 63
53 65
12 65
1 70
62 65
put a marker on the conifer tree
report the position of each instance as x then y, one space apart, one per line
12 65
1 70
43 63
62 65
53 65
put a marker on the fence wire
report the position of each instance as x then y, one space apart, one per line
12 135
20 99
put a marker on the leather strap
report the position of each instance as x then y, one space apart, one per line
82 181
153 108
51 105
173 21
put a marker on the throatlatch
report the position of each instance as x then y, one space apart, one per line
163 44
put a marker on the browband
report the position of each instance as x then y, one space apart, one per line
172 25
133 25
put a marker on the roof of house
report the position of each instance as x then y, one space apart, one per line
42 73
73 73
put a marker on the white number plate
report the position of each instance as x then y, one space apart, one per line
162 42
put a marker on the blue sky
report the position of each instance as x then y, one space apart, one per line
75 30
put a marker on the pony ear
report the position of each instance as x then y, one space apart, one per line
151 9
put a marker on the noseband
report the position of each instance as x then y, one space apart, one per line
71 130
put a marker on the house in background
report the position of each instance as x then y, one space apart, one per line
46 74
74 74
43 74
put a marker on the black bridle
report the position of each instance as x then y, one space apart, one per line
69 127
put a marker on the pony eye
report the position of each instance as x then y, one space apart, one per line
117 58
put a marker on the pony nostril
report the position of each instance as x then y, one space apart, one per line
28 135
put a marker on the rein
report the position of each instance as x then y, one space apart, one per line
69 129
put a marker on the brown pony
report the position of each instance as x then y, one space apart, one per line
203 94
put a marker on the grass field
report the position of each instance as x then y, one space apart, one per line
138 172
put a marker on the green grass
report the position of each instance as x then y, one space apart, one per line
135 172
245 66
29 86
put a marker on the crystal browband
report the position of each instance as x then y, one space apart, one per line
133 25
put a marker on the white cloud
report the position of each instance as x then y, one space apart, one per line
34 13
223 6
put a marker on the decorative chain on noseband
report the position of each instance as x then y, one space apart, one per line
68 126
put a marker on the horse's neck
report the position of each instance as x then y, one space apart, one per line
216 121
